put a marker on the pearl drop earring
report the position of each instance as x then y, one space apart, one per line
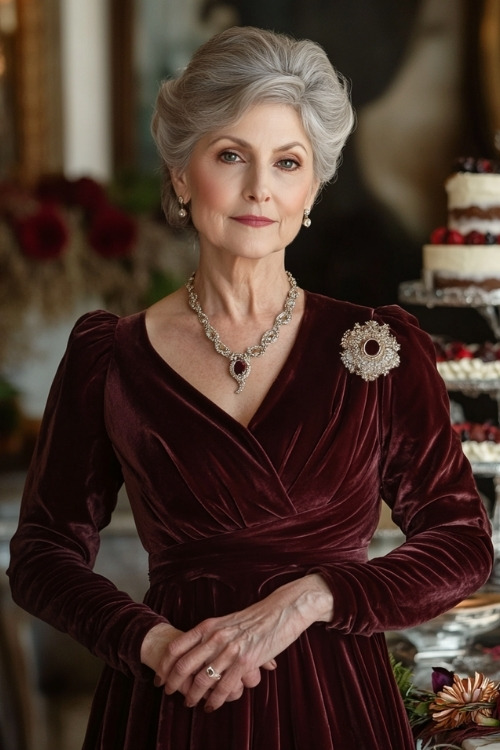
182 210
306 221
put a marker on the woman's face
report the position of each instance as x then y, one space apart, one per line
249 183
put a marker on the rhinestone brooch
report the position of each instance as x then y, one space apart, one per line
369 350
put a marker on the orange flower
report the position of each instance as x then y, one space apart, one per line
467 701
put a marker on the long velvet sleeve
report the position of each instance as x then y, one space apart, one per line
428 483
70 493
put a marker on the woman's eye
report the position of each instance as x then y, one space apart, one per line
229 157
288 164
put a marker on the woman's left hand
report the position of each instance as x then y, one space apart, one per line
236 646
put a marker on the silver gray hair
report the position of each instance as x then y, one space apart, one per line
236 69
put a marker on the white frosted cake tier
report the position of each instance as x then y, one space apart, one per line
467 262
473 200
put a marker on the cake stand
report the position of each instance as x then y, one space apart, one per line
446 639
486 303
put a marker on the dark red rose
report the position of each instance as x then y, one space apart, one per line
83 193
112 233
43 235
55 188
88 194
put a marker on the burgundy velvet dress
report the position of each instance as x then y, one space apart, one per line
228 513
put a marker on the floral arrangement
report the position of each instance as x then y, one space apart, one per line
63 240
455 703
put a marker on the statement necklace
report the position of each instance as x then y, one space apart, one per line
239 363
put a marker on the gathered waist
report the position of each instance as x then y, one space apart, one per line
254 554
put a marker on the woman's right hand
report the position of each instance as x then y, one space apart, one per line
155 650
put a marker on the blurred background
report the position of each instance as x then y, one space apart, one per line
81 226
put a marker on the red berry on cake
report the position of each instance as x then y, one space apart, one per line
462 429
439 236
486 352
477 432
454 238
484 165
440 351
474 238
491 432
459 350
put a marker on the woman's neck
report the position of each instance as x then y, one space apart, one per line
243 290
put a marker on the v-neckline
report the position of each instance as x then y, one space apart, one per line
277 382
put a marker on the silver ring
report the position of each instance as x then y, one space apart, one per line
212 673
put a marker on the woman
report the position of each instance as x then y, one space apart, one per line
254 462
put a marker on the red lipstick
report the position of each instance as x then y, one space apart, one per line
251 220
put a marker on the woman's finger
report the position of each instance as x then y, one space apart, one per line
234 696
210 679
251 679
191 665
230 687
270 665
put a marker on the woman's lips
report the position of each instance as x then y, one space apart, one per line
254 221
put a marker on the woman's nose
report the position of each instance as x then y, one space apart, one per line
257 188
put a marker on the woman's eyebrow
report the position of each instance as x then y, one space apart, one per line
246 144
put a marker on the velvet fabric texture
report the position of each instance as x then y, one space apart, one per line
228 513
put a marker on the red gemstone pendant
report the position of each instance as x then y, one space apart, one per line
239 369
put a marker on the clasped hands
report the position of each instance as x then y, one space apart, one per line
235 646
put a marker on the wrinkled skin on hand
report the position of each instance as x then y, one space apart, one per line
237 646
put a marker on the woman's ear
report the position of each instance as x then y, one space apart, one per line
180 184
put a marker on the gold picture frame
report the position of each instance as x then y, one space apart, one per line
31 85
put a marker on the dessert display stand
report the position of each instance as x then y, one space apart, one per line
459 639
487 304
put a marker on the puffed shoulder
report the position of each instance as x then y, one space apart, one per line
415 376
396 314
99 325
87 356
92 337
414 343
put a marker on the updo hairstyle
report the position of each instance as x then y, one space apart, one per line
236 69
